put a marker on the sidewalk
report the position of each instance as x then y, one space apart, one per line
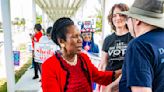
27 84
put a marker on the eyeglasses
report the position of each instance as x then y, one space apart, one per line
121 15
86 34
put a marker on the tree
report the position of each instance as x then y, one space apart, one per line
23 22
99 20
19 22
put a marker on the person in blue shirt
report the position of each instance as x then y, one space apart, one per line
143 68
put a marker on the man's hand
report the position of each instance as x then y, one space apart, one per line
117 73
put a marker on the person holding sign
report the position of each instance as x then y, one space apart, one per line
35 38
70 70
44 48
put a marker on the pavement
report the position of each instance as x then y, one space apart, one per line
27 84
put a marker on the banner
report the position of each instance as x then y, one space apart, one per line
16 55
43 51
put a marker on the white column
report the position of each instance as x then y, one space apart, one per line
6 18
34 12
105 25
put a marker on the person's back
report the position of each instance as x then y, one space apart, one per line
150 65
143 68
154 41
44 39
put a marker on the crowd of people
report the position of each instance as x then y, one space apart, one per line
132 58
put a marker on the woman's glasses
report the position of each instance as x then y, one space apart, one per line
121 15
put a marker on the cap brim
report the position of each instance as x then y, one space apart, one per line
159 22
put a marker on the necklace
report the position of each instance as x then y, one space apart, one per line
71 63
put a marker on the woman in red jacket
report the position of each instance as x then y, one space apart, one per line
70 70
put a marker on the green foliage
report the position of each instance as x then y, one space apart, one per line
39 19
23 69
99 23
99 20
19 21
3 85
22 21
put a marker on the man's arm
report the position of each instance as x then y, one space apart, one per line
141 89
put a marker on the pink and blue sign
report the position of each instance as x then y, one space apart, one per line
16 55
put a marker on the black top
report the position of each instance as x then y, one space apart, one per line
116 46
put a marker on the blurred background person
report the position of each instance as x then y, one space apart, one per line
88 41
35 38
46 39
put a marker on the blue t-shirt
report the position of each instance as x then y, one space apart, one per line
144 62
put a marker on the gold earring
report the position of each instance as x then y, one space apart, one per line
62 45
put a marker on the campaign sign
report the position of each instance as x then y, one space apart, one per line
43 51
87 24
16 55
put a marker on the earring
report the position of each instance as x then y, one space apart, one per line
62 45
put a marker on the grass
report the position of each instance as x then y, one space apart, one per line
3 85
18 74
22 70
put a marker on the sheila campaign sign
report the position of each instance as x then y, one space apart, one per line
43 51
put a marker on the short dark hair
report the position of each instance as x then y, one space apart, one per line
122 7
59 29
38 27
49 30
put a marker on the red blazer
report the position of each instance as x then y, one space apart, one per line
55 76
